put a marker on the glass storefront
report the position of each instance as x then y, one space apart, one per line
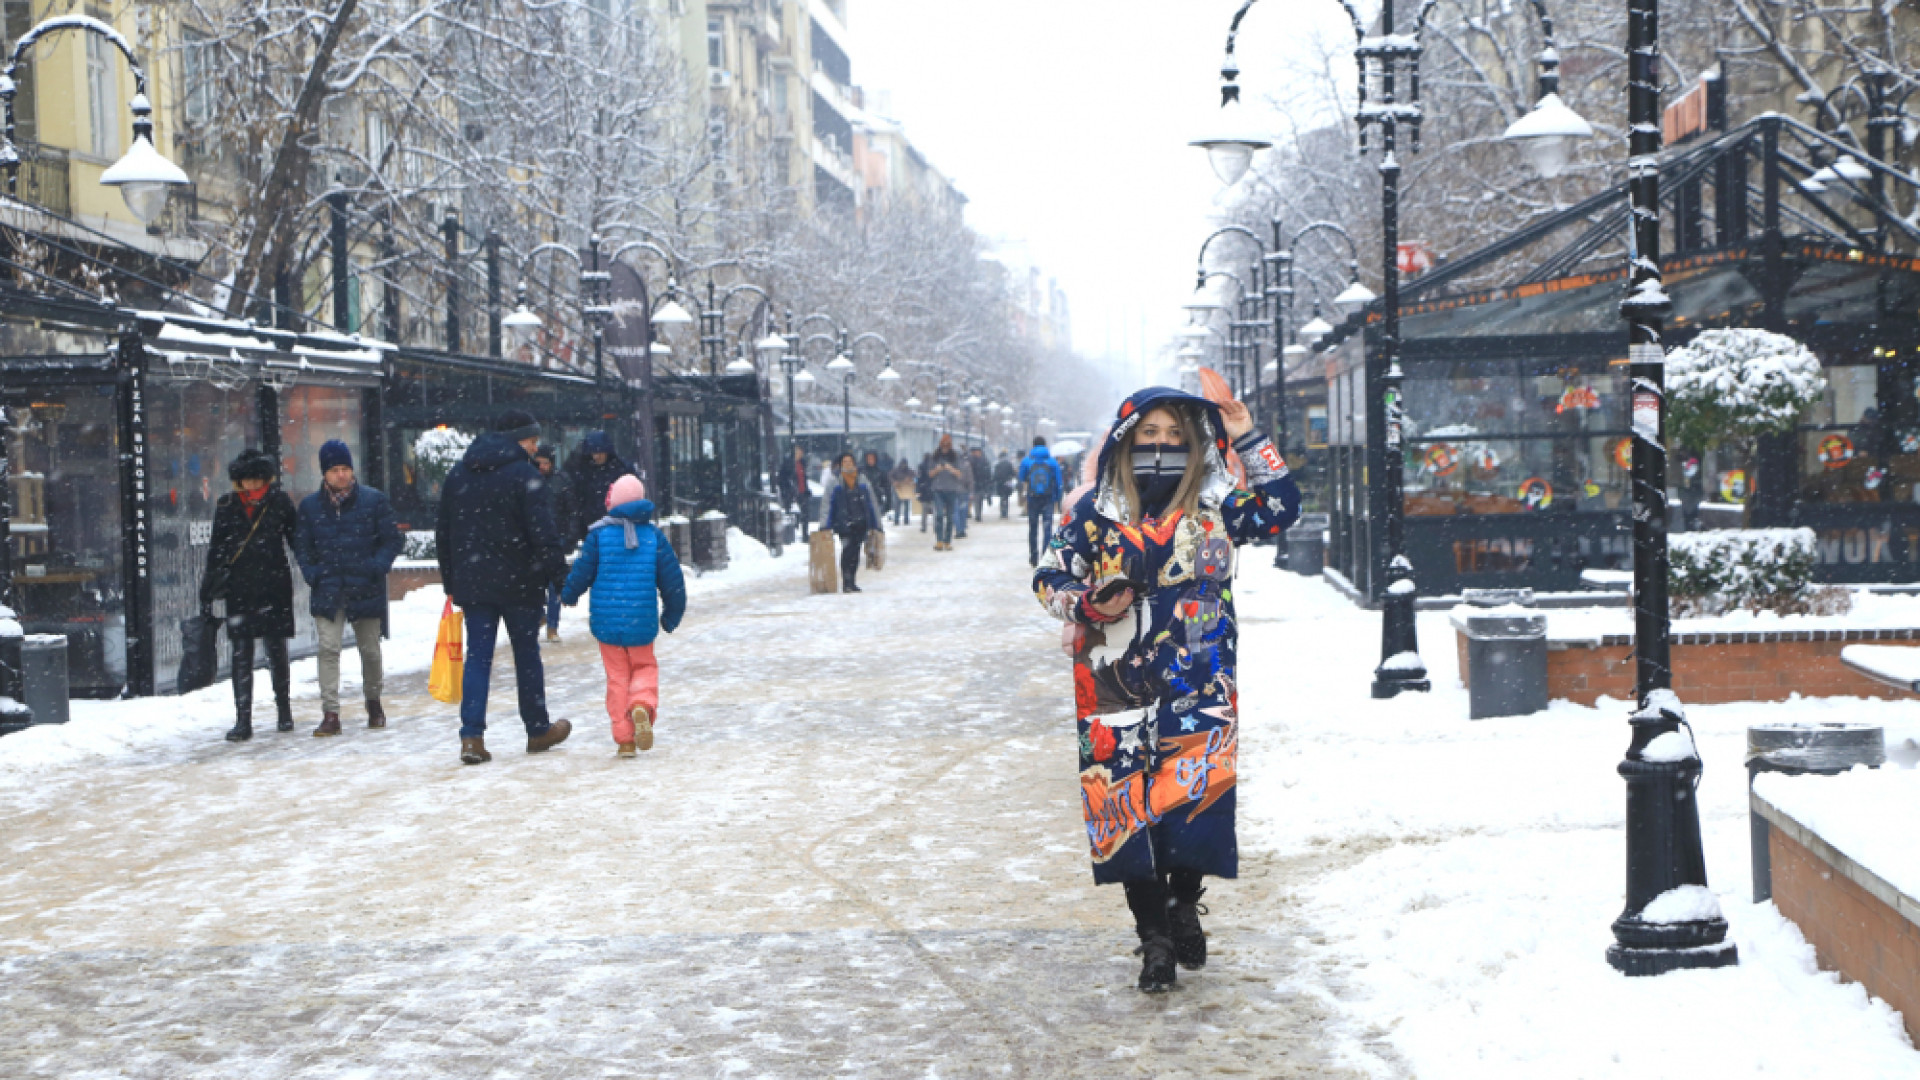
65 539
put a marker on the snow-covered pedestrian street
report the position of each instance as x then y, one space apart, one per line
856 850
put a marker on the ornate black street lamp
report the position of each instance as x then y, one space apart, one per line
1662 767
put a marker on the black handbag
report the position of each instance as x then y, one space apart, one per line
199 652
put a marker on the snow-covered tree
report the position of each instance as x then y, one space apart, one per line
1737 384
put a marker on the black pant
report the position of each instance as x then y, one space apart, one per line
1149 900
1039 528
850 543
1004 499
243 673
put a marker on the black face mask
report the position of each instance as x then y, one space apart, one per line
1157 471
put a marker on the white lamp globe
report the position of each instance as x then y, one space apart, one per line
1230 144
671 314
740 365
1315 329
1354 297
804 378
144 177
840 363
1547 134
913 402
521 326
887 374
771 347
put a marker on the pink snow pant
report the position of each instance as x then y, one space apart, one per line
633 678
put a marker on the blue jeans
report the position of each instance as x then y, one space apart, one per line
553 607
961 501
1039 529
945 505
523 633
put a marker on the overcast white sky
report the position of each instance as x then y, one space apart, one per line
1066 123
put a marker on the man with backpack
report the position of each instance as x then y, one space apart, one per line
1040 476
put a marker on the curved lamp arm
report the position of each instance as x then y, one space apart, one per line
1229 230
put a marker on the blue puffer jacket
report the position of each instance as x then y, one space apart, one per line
631 569
346 551
1054 484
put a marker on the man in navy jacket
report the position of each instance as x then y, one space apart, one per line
346 540
499 550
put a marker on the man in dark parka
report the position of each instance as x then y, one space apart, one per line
591 472
499 551
346 542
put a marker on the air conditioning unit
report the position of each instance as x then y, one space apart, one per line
719 80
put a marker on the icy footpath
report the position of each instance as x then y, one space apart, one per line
101 731
1475 867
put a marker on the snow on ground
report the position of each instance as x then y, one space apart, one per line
1476 867
111 730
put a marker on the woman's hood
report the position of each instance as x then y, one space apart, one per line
1109 501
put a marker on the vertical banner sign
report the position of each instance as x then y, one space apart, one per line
629 337
136 535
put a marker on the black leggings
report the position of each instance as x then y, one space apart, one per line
1149 900
243 672
850 544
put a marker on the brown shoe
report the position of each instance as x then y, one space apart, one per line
623 750
555 734
553 634
642 726
376 716
329 725
474 751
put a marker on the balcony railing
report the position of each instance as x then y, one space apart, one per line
43 177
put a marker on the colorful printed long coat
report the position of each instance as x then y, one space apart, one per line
1156 691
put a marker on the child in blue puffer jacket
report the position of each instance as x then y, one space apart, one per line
632 570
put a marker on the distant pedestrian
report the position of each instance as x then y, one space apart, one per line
631 570
1003 478
253 526
793 485
346 542
1040 478
559 490
1144 568
852 511
980 472
923 490
904 492
591 472
499 551
875 474
947 477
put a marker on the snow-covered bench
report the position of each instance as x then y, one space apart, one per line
1897 666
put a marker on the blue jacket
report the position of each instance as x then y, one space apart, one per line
496 539
1040 458
631 568
850 510
345 552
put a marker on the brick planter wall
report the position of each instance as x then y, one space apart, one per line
404 580
1710 668
1858 925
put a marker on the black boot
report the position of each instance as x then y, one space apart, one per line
241 731
1148 899
285 713
1189 940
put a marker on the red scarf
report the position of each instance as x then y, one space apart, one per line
250 500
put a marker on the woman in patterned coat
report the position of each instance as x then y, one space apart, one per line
1143 563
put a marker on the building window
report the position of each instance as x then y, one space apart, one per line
780 95
103 98
196 77
716 45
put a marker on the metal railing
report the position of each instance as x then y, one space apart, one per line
43 177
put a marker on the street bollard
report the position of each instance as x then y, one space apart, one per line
43 677
1798 749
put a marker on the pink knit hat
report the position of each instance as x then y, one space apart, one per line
625 490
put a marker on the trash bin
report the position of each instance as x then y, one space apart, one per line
1798 749
710 541
1506 662
13 711
1307 548
680 534
43 677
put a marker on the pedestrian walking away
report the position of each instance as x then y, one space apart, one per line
852 511
875 474
560 492
980 472
793 486
1044 486
1142 566
947 478
904 492
591 472
923 491
346 541
638 591
253 526
1003 479
499 551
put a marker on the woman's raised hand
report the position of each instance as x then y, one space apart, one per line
1238 420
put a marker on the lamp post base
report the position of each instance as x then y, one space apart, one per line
1633 962
1388 684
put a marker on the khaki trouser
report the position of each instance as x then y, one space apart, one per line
367 633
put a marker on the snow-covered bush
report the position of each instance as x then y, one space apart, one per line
1738 383
436 452
419 544
1711 573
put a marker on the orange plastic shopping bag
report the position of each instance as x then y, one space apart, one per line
449 659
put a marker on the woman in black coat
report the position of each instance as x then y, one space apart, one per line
253 527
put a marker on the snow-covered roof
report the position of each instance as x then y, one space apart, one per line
185 342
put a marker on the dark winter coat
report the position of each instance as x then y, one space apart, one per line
251 555
566 509
345 552
851 510
1047 488
631 568
982 473
590 483
1155 689
495 539
1003 476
